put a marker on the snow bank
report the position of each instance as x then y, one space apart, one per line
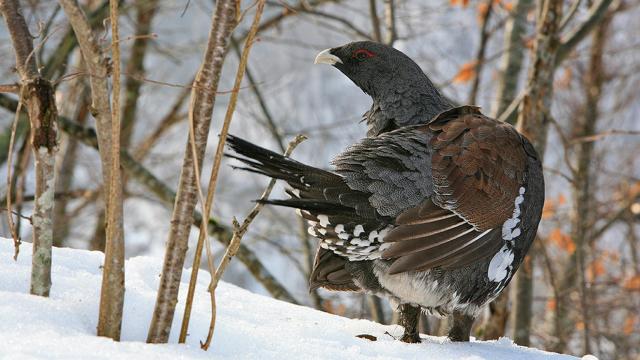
249 326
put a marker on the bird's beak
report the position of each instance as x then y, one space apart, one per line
326 57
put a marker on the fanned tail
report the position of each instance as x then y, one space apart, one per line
306 181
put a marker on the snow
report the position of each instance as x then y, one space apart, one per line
249 326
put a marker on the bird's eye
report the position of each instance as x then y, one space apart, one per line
362 54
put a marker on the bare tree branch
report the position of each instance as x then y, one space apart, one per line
390 35
10 88
238 233
484 38
596 14
145 11
203 237
375 21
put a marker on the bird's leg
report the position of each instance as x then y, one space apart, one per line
409 316
461 326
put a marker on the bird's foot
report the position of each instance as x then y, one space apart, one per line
409 316
410 338
413 338
461 327
458 336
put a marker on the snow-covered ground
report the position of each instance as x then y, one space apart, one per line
249 326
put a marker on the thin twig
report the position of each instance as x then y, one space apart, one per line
596 137
238 233
18 214
203 238
375 21
20 175
10 88
12 226
596 14
171 118
391 34
191 86
565 144
572 11
484 38
513 106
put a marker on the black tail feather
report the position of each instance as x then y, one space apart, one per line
266 162
310 205
313 190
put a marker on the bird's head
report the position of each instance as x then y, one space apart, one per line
402 94
372 66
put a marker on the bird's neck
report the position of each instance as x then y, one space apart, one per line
415 102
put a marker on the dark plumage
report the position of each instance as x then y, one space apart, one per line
402 94
436 208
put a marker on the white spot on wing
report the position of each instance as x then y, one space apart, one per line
324 220
500 263
358 230
509 229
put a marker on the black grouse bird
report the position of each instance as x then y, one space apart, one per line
437 208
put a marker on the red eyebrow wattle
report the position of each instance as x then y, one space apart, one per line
363 51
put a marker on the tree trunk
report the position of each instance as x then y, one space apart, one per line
484 38
495 324
375 21
135 66
202 101
582 214
390 35
112 292
533 122
523 301
375 307
38 95
79 111
515 30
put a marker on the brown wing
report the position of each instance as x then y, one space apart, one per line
478 167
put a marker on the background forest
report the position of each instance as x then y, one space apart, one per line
567 71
